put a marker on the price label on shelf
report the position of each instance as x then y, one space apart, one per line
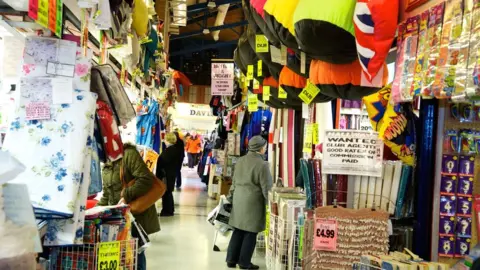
326 233
109 256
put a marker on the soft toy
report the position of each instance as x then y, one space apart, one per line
279 18
324 29
375 26
341 80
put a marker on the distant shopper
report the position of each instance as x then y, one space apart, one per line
168 164
134 168
180 146
193 148
249 195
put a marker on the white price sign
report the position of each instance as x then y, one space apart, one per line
222 79
352 152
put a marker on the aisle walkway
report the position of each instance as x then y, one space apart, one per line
186 240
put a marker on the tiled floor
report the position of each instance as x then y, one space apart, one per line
186 240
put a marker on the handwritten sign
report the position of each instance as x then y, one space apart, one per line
249 72
352 152
326 234
261 44
281 93
38 111
222 79
109 256
252 102
266 93
309 93
259 68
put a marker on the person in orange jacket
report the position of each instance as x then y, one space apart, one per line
193 147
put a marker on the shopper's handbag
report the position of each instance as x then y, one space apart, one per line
142 203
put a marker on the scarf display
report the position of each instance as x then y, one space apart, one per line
360 232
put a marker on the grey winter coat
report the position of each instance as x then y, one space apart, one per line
249 193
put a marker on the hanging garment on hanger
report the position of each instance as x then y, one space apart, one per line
146 124
110 133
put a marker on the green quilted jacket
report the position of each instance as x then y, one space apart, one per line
134 168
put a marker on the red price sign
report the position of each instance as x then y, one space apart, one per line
326 233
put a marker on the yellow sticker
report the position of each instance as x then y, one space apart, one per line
307 139
261 44
266 93
315 133
309 93
43 13
256 84
281 93
250 72
109 255
259 68
252 102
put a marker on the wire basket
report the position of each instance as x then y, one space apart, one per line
85 257
284 244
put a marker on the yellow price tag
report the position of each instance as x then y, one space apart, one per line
281 93
252 102
109 256
307 139
261 44
250 72
266 93
256 84
259 68
309 93
315 133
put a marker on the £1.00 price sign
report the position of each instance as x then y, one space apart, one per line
109 256
326 233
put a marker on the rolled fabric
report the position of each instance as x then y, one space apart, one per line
375 24
293 84
341 80
278 16
326 33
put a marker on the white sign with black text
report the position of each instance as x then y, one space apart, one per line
352 152
222 79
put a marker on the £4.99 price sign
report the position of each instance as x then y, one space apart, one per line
326 233
109 256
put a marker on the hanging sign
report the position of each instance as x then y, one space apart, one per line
326 234
252 102
222 79
309 93
43 13
259 68
307 139
315 133
33 9
59 18
249 72
256 84
266 93
150 157
352 152
261 44
109 256
281 93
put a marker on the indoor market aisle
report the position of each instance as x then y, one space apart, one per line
186 240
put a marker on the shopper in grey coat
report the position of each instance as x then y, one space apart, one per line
249 195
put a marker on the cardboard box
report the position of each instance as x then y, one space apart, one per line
225 184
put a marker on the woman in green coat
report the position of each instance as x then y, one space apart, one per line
134 168
249 195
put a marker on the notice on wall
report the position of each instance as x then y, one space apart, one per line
222 79
352 152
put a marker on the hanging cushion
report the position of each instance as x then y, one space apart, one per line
294 63
324 29
375 26
258 6
278 16
293 84
257 21
140 18
238 61
274 68
249 57
341 81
